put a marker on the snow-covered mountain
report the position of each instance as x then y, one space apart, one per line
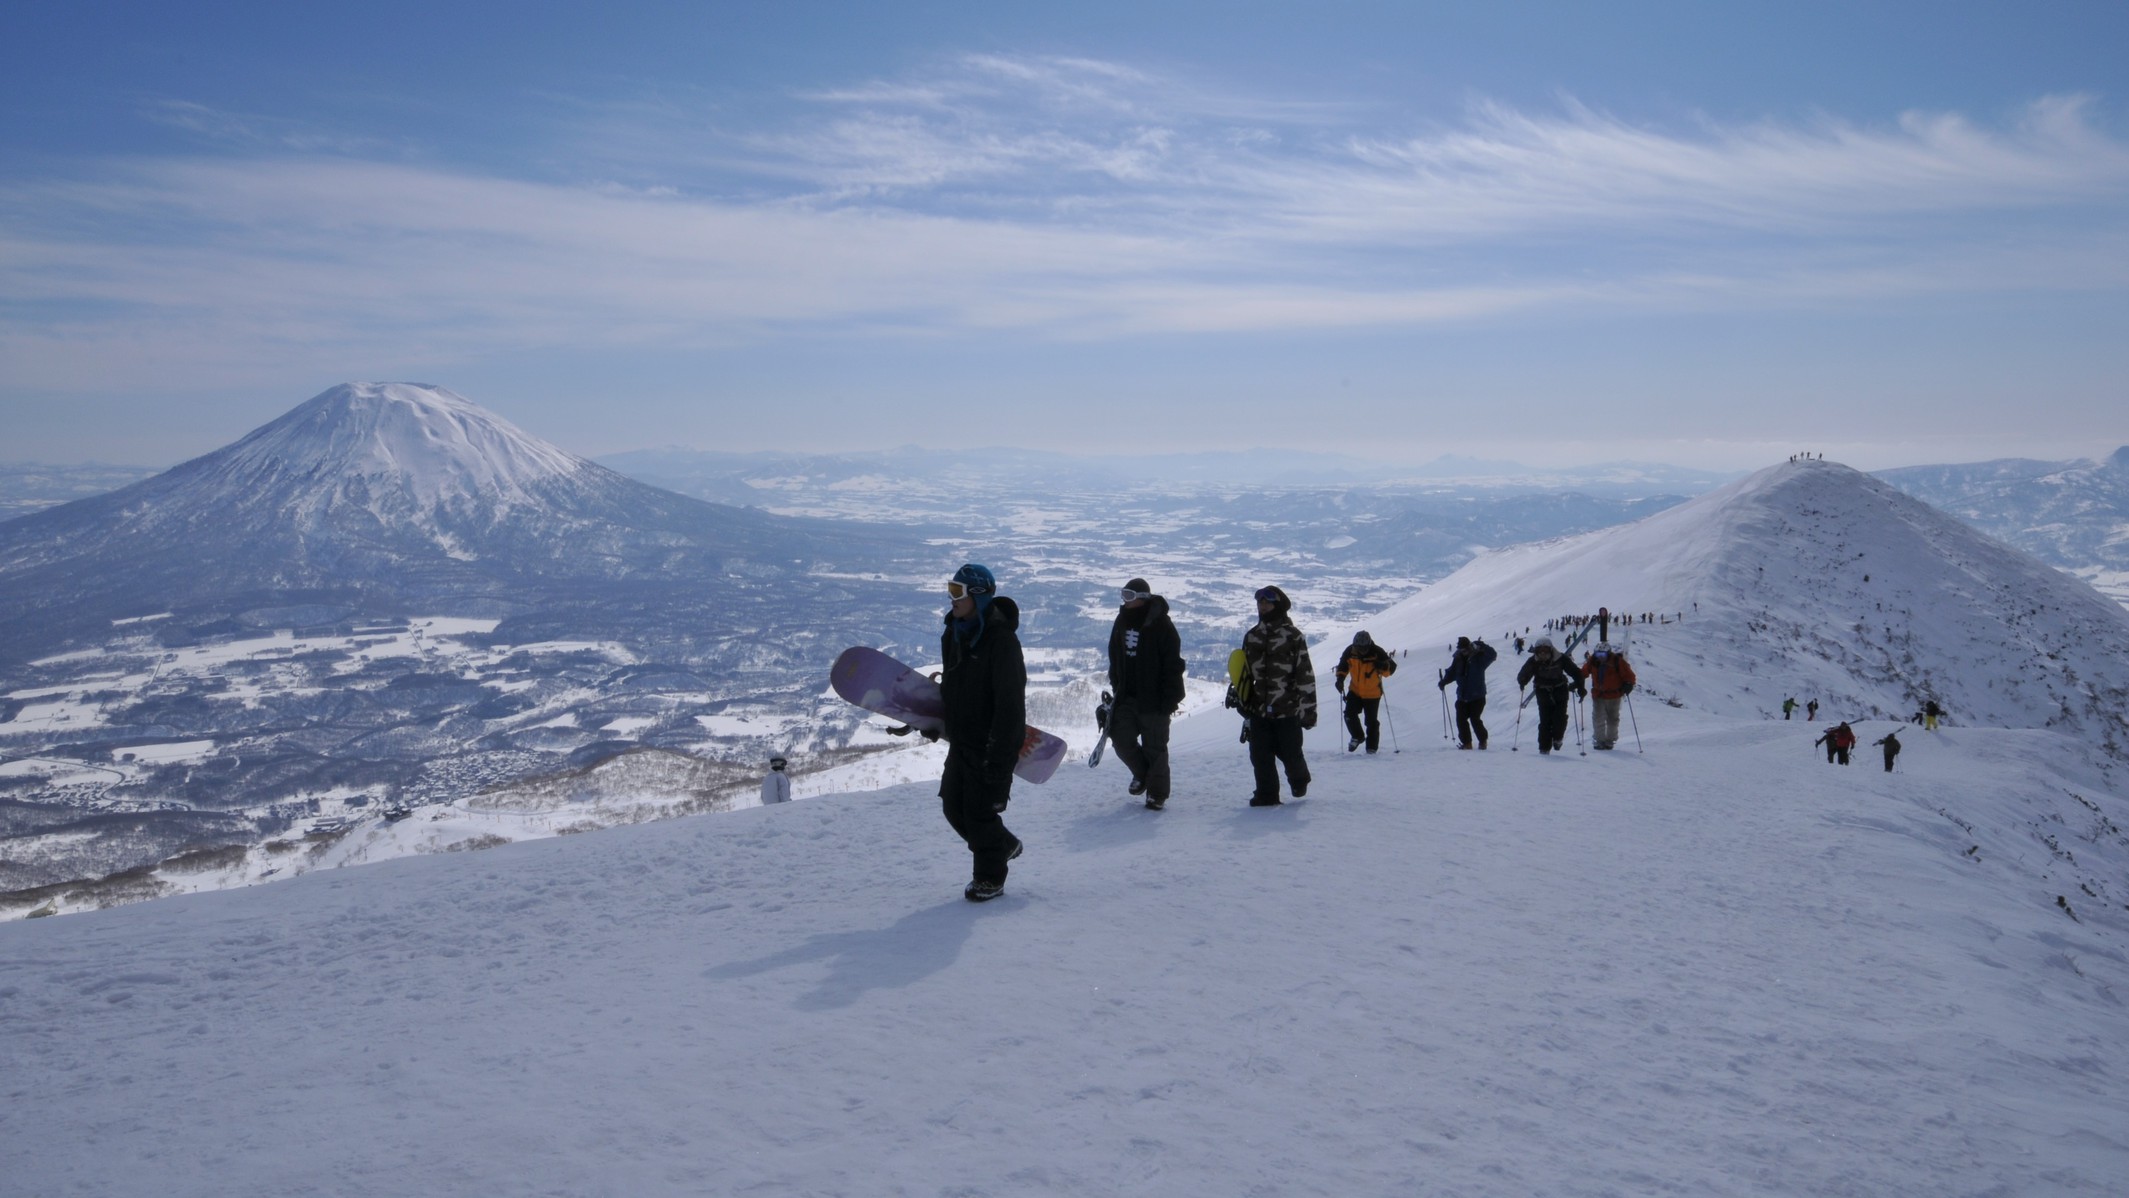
1713 966
377 495
2074 515
1813 580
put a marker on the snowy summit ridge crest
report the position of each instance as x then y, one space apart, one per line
425 443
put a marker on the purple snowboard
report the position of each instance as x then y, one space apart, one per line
878 683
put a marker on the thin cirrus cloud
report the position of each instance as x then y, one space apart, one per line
1061 198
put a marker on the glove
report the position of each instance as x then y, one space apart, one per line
930 734
1581 692
1339 686
1001 794
1626 689
1308 721
1230 701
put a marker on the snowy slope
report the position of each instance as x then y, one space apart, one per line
1807 579
1720 967
1717 966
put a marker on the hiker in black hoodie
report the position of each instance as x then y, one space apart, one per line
1146 679
984 685
1553 674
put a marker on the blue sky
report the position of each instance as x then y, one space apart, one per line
1709 234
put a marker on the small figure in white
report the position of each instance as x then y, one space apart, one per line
776 786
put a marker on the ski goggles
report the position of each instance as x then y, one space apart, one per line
1131 596
957 590
1268 595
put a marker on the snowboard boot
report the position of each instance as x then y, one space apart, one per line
980 891
1156 803
1352 744
1015 854
1300 789
1138 786
1255 801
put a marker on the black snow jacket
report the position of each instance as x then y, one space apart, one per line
985 687
1146 657
1558 673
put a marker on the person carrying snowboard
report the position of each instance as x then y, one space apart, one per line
1281 697
1467 670
1361 669
984 685
1892 748
1146 680
776 784
1550 676
1611 678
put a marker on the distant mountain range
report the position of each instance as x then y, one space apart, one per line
2074 515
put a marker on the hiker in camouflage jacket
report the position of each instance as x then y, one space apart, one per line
1281 701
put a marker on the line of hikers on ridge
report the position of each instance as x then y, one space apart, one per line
1840 740
1272 683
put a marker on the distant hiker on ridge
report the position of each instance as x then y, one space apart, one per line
1361 669
1811 711
1550 676
1611 678
984 683
1281 702
1892 748
1467 669
1146 675
776 784
1930 714
1788 706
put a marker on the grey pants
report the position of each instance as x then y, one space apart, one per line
1604 721
1141 739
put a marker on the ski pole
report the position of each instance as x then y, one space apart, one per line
1444 693
1578 727
1516 737
1390 718
1637 722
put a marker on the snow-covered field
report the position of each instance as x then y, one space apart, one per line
1719 966
1705 963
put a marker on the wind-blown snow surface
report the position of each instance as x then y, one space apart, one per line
1719 967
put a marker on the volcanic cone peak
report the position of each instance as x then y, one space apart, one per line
424 443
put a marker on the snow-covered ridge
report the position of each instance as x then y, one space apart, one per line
1811 579
425 442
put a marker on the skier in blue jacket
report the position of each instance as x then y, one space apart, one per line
1467 669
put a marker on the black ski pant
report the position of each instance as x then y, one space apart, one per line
1141 738
1841 755
1889 755
972 806
1552 717
1367 711
1275 741
1467 721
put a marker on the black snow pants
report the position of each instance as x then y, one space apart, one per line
971 806
1274 742
1552 717
1467 721
1359 711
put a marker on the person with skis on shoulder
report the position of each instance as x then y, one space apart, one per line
776 784
1838 740
1361 669
1892 748
1281 702
1811 711
1467 670
1146 680
1551 675
984 686
1611 679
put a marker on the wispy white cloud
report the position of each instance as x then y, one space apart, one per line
1058 197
